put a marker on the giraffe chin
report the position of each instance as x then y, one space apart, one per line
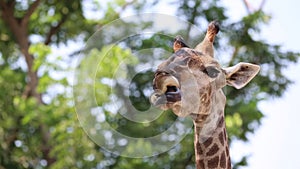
170 99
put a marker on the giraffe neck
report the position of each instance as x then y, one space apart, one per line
210 142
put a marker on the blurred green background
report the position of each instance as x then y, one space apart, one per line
38 124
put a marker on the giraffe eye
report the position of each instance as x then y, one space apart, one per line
211 71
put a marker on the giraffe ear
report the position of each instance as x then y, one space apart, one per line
241 74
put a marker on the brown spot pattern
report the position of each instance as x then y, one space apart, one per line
227 151
208 142
201 118
213 163
201 162
213 150
221 138
198 147
223 160
228 163
221 122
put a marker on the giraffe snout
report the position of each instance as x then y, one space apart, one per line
166 90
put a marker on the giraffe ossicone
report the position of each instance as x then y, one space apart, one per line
190 83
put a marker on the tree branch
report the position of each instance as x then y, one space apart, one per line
192 19
5 9
13 23
234 55
188 160
30 11
7 5
127 4
248 6
54 30
262 4
3 4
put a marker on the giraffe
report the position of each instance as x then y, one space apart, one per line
190 83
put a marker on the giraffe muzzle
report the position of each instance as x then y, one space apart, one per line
167 91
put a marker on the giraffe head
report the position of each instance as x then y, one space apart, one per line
187 80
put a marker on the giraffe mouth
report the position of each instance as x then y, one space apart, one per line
173 94
166 91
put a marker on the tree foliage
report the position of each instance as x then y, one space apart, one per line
38 124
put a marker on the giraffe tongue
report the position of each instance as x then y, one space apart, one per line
173 94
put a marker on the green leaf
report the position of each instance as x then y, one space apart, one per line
40 51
